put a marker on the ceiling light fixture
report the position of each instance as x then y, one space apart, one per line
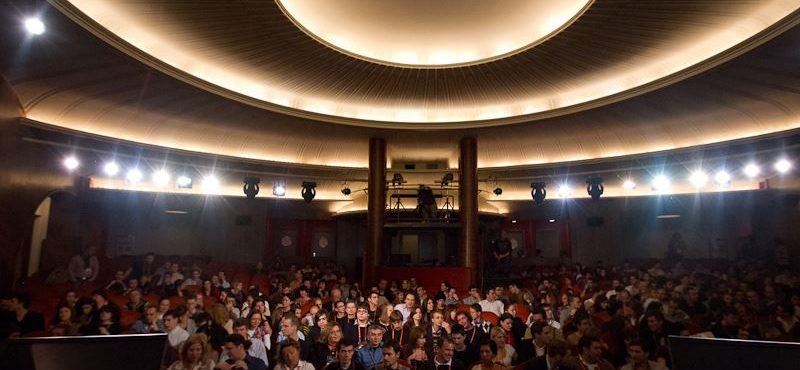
751 170
161 178
629 184
661 183
111 169
134 175
783 166
539 193
278 190
698 179
184 182
210 183
594 187
722 178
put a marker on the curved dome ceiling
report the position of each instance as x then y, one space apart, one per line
432 34
249 51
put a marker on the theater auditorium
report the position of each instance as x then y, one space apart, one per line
399 184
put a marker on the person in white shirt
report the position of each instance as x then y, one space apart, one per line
407 306
492 304
176 335
257 348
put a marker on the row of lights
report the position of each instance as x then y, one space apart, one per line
660 183
161 178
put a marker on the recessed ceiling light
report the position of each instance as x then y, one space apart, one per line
698 179
783 165
134 175
661 183
722 178
752 170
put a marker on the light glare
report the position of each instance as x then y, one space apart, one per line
751 170
134 175
71 163
161 177
629 185
111 169
211 182
278 190
564 191
184 181
698 179
783 166
661 183
34 26
722 178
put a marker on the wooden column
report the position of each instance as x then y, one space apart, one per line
468 206
376 210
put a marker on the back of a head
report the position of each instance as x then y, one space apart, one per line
557 348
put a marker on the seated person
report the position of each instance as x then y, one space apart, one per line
195 355
391 355
149 323
237 357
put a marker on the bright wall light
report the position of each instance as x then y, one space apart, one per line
278 190
210 183
722 178
35 26
783 166
134 175
111 169
698 179
629 185
751 170
661 183
71 163
184 182
564 191
161 178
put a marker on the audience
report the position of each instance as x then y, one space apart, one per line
577 317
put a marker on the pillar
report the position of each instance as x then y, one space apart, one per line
468 206
376 210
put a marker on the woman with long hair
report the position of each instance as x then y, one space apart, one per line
506 355
220 315
415 351
259 328
416 319
488 351
325 350
65 318
355 294
322 322
195 354
384 316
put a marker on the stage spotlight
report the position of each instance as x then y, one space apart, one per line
661 183
278 190
184 182
161 178
722 178
539 193
111 169
629 185
751 170
594 187
783 166
564 191
346 190
309 191
446 179
134 175
210 183
698 179
35 26
397 179
251 187
498 191
71 163
552 221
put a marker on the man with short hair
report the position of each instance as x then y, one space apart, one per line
556 352
591 354
149 323
289 329
472 334
474 296
176 335
345 351
163 307
443 360
397 331
537 345
24 320
407 306
475 313
467 355
358 331
436 329
372 300
491 304
391 353
257 348
371 355
583 323
639 357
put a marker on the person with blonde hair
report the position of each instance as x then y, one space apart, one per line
220 315
506 355
195 354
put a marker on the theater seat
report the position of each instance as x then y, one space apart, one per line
490 317
523 312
